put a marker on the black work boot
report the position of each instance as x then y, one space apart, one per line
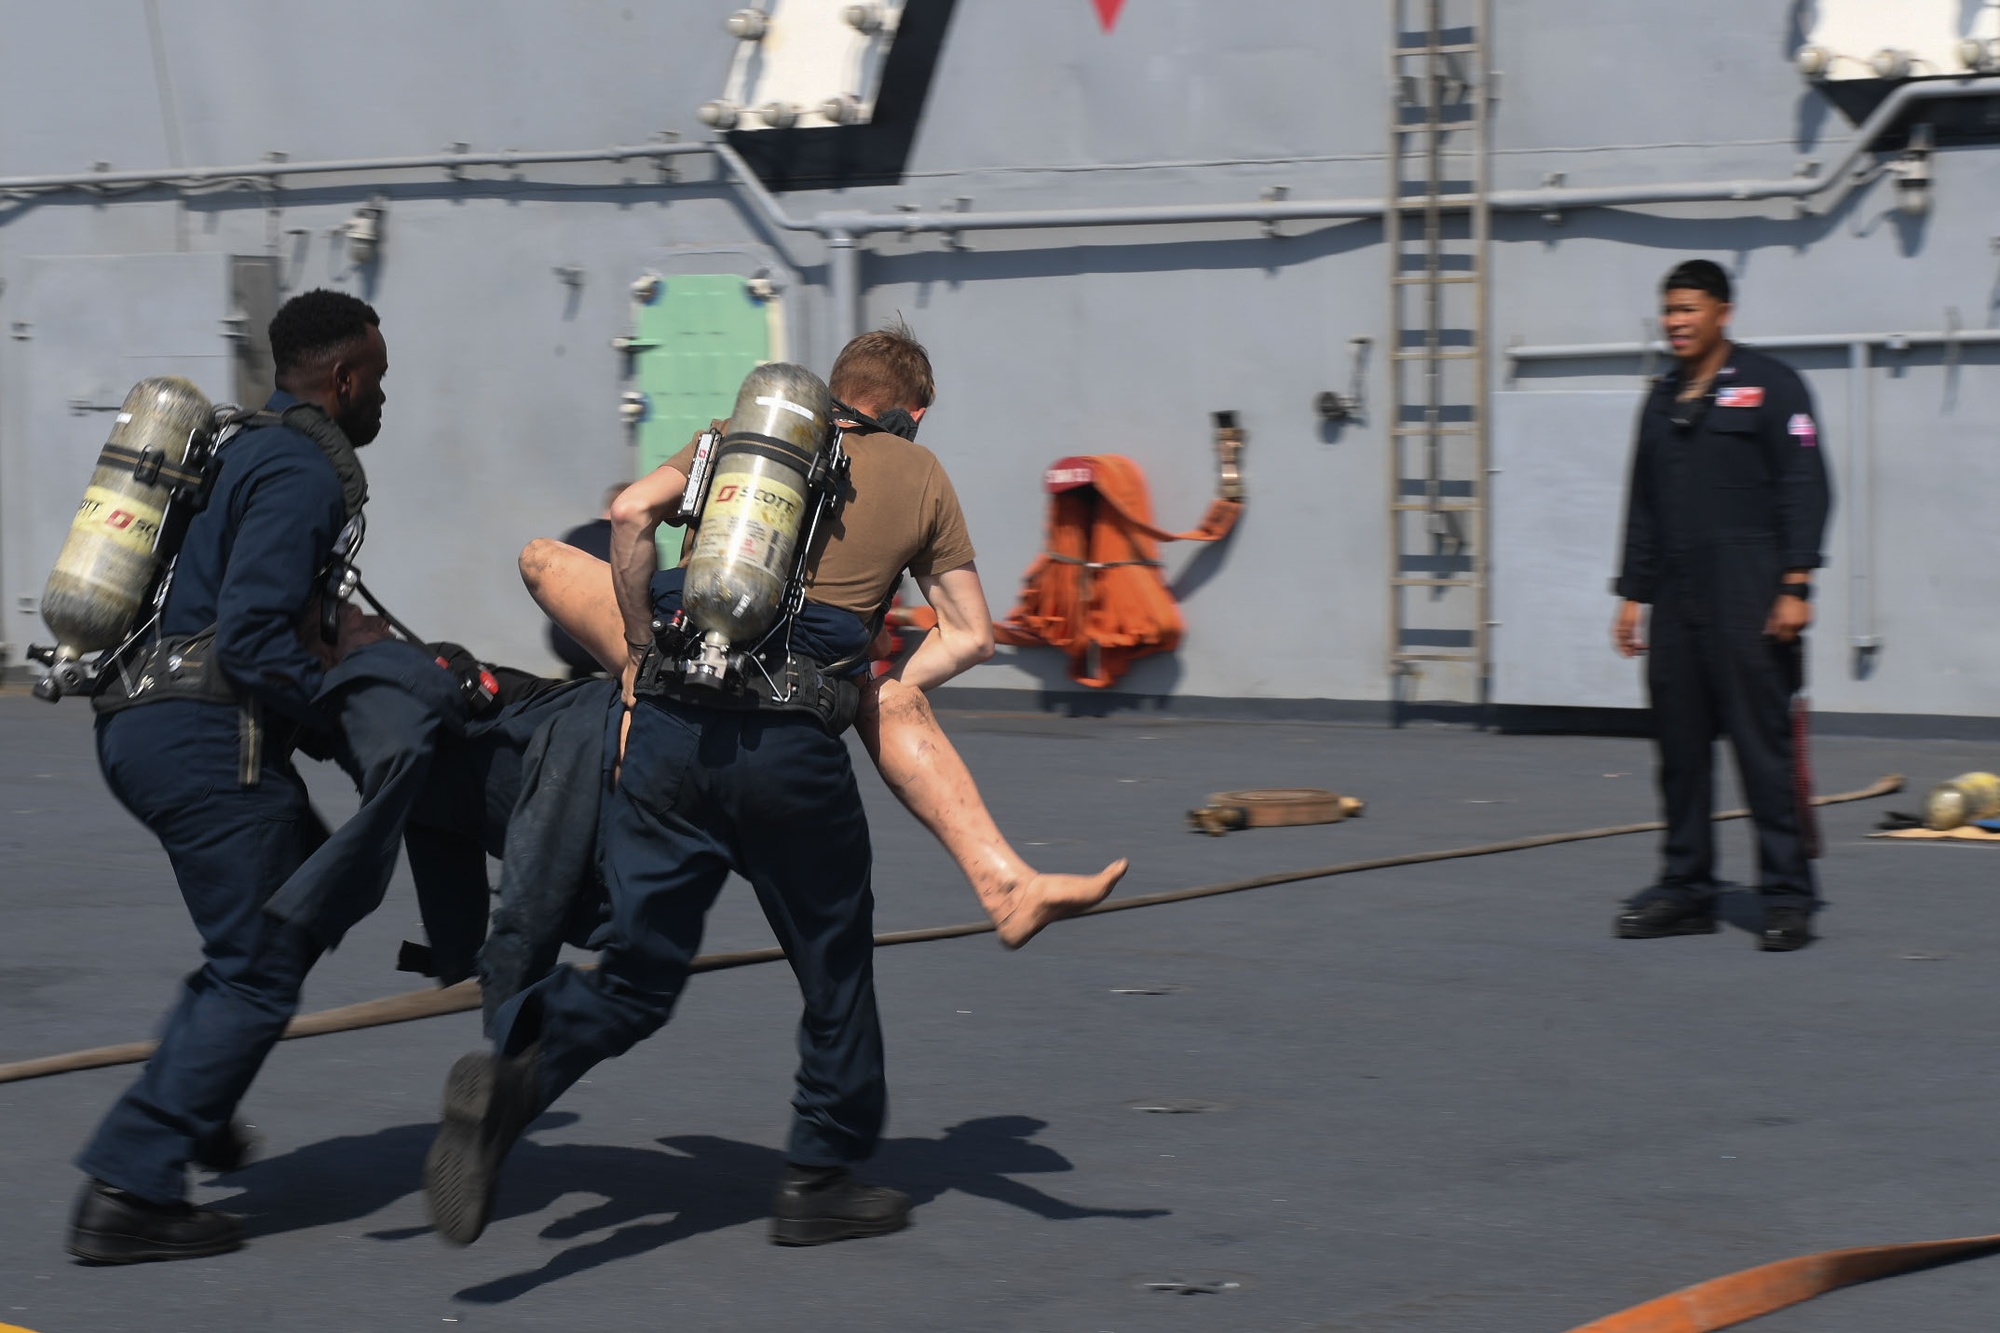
816 1204
1787 926
488 1100
112 1226
1663 910
230 1149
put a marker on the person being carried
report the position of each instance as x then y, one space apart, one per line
595 538
900 732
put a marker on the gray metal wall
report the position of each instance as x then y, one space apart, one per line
502 419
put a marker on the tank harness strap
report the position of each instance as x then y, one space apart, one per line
311 421
174 666
150 467
798 685
766 446
183 666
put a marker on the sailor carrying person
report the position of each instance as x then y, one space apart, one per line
734 761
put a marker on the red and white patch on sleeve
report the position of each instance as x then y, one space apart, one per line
1743 395
1802 426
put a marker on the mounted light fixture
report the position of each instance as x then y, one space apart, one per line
778 115
1890 63
842 110
1979 56
748 25
1913 172
1813 61
719 115
364 232
864 18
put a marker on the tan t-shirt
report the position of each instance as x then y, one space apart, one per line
899 512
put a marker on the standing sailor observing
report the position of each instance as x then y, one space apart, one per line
707 788
1725 514
200 752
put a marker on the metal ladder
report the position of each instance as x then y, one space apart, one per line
1436 227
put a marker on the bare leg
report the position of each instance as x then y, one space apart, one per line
902 736
574 588
928 777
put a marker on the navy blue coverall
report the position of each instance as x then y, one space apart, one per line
248 567
1727 493
771 796
446 787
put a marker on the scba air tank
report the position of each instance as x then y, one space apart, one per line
110 559
757 499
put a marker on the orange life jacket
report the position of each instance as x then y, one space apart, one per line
1096 591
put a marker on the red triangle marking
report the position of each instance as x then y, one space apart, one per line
1107 12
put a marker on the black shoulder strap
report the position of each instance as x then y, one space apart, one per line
313 423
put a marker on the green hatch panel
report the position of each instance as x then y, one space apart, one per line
696 340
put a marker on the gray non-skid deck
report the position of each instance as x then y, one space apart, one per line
1431 1098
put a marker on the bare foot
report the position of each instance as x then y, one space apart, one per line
1047 898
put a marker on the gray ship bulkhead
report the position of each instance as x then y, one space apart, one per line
503 281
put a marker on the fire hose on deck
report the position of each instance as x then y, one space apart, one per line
1702 1308
465 995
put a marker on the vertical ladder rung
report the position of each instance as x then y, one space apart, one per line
1438 135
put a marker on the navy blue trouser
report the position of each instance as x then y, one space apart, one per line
1710 675
174 765
703 792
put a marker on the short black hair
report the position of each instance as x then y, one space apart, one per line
1698 275
312 326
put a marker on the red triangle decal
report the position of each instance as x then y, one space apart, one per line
1107 12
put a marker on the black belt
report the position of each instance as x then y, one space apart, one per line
183 666
798 684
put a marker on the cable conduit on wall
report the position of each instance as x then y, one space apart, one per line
858 223
840 229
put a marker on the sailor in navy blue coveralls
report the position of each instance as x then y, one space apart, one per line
1727 507
703 792
248 568
214 782
709 786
